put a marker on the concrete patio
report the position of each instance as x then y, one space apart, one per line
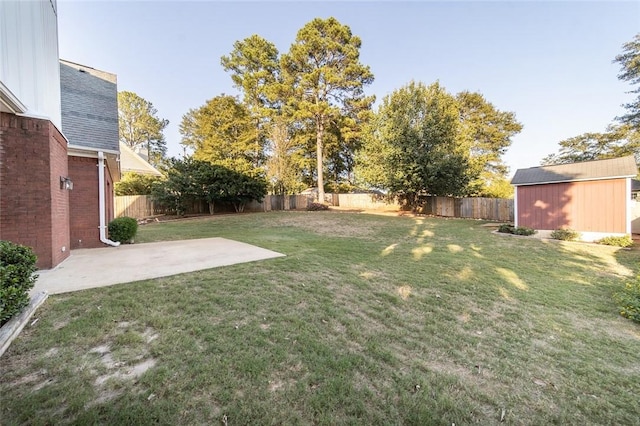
90 268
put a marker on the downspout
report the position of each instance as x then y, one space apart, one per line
101 202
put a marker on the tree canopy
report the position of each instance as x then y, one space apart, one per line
423 140
413 149
135 184
222 132
303 119
327 79
629 61
189 180
140 127
487 132
617 141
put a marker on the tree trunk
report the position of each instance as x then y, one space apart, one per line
319 149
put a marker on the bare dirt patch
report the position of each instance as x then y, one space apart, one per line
127 372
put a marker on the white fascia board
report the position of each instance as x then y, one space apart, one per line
573 180
11 101
84 151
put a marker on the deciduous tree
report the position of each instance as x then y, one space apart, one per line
222 132
413 149
487 132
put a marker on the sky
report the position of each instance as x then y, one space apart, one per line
548 62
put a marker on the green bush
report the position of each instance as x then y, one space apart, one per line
523 230
506 228
17 267
123 229
629 300
623 241
520 230
565 234
314 207
133 183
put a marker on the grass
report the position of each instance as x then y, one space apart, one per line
368 320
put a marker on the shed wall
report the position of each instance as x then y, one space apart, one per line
590 206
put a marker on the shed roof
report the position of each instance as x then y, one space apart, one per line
623 167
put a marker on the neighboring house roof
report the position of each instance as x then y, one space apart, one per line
89 99
623 167
132 162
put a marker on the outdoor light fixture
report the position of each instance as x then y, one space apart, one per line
66 183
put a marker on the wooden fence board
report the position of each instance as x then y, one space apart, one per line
499 209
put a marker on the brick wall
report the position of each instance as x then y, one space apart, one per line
85 203
34 211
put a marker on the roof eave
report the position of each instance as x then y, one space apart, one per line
573 180
11 101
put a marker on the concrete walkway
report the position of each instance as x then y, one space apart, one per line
90 268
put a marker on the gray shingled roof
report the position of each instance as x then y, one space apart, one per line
89 99
590 170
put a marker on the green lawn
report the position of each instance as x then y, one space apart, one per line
368 320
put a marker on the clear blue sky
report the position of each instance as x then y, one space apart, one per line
549 62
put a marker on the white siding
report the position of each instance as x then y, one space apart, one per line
29 65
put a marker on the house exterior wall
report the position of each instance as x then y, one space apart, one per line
29 66
34 210
84 202
598 206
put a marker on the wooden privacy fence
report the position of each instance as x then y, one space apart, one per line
499 209
141 206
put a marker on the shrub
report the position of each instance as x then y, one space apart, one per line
523 230
506 228
314 207
520 230
565 234
123 229
629 300
136 184
17 267
623 241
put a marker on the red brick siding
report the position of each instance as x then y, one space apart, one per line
591 206
60 198
33 209
85 218
85 203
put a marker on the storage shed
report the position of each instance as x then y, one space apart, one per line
593 197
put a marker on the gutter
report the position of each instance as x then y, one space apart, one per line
103 226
